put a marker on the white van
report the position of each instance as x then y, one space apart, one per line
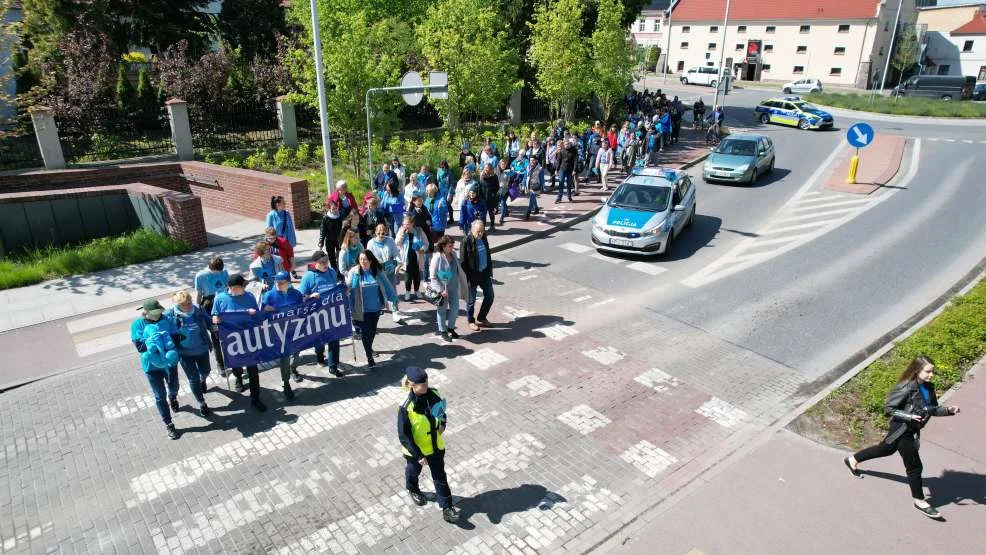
700 76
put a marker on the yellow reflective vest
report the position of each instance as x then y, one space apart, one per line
424 430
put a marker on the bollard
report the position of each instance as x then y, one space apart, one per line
853 166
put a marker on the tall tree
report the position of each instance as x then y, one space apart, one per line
481 66
631 11
613 56
252 25
558 54
905 51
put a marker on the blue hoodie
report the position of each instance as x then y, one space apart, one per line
137 337
278 300
438 209
283 224
195 327
315 281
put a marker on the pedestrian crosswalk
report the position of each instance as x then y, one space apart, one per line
639 266
104 333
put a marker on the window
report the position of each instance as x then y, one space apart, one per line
771 28
739 47
684 46
967 46
710 64
843 28
840 50
657 25
982 74
802 49
836 71
799 70
714 29
741 29
766 68
943 70
804 29
641 26
712 46
686 28
681 65
768 48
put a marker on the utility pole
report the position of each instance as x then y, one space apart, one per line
667 48
890 51
323 110
722 54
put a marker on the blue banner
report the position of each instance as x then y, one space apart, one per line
268 336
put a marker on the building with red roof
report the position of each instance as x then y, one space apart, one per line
955 40
840 42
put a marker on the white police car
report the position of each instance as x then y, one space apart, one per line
646 212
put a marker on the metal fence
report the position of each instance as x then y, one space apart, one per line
111 134
19 150
235 126
533 108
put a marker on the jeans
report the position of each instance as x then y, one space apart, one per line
436 463
503 207
532 202
368 327
254 374
161 380
448 312
196 369
288 364
333 359
907 446
486 284
565 181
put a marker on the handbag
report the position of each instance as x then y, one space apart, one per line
434 297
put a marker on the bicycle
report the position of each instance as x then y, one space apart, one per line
712 136
698 121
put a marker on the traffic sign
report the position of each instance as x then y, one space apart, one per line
860 135
412 79
438 85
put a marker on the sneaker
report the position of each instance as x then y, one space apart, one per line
370 363
415 296
451 332
172 432
407 297
258 404
174 405
450 515
447 336
204 411
288 394
335 372
398 318
928 511
321 360
238 385
418 498
298 378
484 324
855 471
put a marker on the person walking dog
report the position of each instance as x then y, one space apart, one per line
421 422
910 404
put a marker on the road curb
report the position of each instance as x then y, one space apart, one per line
901 118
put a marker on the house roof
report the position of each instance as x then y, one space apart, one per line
657 5
975 27
771 10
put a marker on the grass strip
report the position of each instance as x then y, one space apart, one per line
904 106
37 265
853 414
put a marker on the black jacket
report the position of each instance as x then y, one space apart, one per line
903 401
368 223
463 156
468 257
489 189
330 232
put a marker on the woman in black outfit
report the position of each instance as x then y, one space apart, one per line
489 192
909 405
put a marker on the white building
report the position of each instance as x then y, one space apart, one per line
841 42
649 28
955 39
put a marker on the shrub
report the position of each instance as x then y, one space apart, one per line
257 161
233 162
303 154
901 106
284 157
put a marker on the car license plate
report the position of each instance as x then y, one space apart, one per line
620 243
721 174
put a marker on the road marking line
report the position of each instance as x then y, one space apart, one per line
228 456
514 313
531 386
809 215
649 459
647 268
576 248
484 359
968 141
721 412
107 343
812 193
826 198
584 419
557 331
527 277
605 355
949 140
582 298
831 204
572 291
933 139
658 380
601 303
128 314
519 272
808 225
604 258
764 242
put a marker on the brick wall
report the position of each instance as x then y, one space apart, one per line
246 192
165 175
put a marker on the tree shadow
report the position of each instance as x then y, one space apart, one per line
499 503
953 487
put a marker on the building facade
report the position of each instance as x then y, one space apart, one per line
650 27
840 42
955 41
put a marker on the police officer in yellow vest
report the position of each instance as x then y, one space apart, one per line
420 424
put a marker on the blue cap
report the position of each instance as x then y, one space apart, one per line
416 374
282 276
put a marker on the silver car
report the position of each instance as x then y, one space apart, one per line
740 158
646 212
803 86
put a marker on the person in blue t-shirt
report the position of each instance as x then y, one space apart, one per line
193 350
208 283
369 289
320 279
236 299
282 296
162 379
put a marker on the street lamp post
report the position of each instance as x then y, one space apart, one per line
323 110
667 46
722 54
890 51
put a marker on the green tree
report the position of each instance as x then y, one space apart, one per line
558 54
482 68
612 56
905 52
252 25
651 55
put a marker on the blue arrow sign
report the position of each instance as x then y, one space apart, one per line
860 135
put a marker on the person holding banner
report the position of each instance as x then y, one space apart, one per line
283 295
369 289
386 252
421 421
447 279
319 280
236 299
265 264
208 283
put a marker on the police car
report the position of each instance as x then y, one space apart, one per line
646 212
792 110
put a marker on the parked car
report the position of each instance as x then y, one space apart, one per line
700 76
791 110
979 92
802 86
740 158
944 87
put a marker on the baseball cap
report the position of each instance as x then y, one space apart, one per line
149 305
282 276
236 280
